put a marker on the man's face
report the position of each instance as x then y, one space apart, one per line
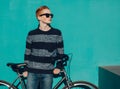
45 16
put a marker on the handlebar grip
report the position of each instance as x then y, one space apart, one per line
61 56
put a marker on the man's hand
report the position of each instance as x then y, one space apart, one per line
56 71
25 74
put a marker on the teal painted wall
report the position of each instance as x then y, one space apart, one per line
90 28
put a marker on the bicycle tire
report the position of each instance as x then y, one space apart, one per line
81 85
6 85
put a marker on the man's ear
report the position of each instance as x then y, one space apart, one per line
39 18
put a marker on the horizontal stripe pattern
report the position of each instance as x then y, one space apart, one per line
39 59
27 51
40 47
41 53
45 38
43 45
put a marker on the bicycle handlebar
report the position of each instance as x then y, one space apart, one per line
62 57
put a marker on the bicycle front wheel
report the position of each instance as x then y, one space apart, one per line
81 85
6 85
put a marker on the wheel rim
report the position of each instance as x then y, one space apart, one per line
5 86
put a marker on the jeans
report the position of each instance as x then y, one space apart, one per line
39 81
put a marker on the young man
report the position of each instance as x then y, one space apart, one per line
42 44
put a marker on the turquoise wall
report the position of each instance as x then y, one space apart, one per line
90 29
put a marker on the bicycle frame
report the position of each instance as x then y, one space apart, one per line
64 80
19 69
21 82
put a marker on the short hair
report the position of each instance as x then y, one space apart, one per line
38 11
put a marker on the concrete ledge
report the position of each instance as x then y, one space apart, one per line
109 77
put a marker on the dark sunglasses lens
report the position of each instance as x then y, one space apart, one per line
48 15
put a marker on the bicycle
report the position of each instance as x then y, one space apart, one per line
65 79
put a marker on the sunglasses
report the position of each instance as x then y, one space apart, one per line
47 15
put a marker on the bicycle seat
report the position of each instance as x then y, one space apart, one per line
17 67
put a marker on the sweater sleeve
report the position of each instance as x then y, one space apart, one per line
60 50
27 54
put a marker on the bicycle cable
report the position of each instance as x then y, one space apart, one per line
69 65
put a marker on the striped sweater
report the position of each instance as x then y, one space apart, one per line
41 46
